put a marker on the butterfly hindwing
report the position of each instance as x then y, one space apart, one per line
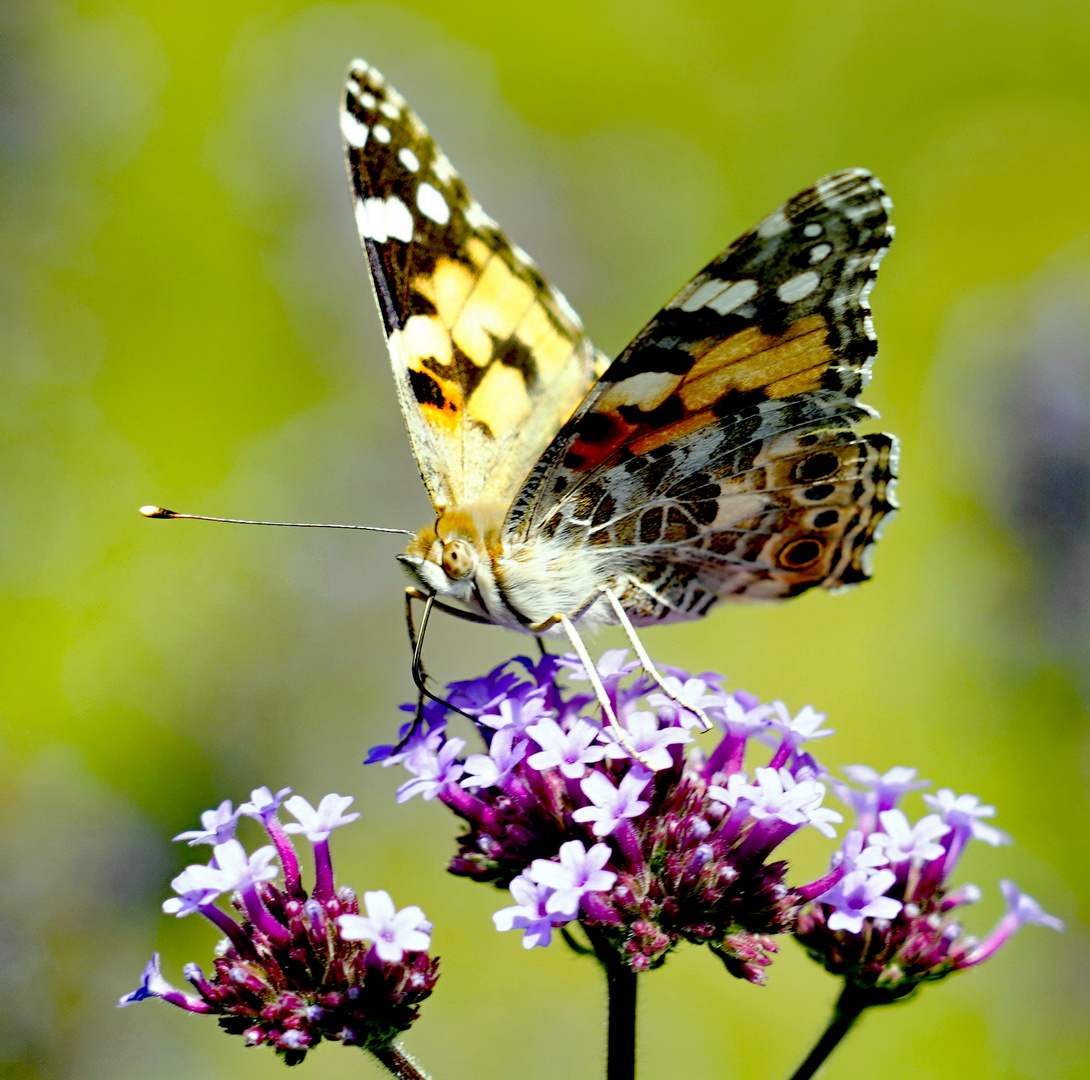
800 534
488 358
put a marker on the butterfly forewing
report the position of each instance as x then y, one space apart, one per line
488 358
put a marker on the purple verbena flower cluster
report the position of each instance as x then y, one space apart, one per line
644 845
889 923
296 968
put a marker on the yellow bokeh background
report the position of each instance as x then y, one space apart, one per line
186 319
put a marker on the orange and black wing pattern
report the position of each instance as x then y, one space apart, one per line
716 456
489 359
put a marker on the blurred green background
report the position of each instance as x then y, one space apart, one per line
186 319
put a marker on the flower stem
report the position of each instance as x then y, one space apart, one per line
621 1040
621 991
849 1008
399 1063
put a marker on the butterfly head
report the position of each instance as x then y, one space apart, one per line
447 556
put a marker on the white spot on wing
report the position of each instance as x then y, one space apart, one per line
384 219
408 159
382 133
399 219
476 218
363 220
648 390
866 560
773 225
729 300
696 298
799 287
720 296
889 515
368 101
355 133
857 213
389 110
432 204
442 167
819 252
813 229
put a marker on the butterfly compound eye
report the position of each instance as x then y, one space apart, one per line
458 561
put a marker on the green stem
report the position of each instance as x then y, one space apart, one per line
849 1008
399 1063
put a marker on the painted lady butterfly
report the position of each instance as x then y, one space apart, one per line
713 459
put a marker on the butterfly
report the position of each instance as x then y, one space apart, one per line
715 458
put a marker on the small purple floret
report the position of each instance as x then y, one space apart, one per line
860 895
612 805
433 771
495 767
263 804
901 841
570 751
394 933
216 825
576 872
649 741
530 914
317 824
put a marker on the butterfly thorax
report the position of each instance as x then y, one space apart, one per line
519 584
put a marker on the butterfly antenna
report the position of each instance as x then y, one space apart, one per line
162 512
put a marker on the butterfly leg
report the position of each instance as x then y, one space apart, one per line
413 593
646 662
416 643
592 675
